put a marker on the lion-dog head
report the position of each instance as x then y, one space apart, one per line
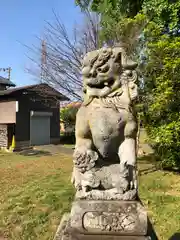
106 71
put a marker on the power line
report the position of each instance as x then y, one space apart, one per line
8 70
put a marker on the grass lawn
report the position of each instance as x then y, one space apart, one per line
160 193
69 145
36 191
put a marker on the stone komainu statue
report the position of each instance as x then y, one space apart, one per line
105 151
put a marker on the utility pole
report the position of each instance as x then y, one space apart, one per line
7 70
43 60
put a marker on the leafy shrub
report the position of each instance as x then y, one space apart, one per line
163 99
68 115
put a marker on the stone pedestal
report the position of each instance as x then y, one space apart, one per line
106 220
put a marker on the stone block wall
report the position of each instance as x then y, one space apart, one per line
3 135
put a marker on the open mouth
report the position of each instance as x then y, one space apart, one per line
101 85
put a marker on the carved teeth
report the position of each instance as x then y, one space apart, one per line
106 84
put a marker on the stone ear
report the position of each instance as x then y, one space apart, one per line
134 77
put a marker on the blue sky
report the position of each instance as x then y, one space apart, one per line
21 21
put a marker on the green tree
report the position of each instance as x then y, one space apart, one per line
151 30
128 7
68 115
161 72
121 20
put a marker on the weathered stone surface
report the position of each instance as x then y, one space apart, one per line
105 237
62 226
104 181
111 194
106 127
65 232
74 236
110 217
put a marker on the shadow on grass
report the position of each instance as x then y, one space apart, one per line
33 152
147 171
149 158
174 170
150 161
176 236
156 164
151 231
67 139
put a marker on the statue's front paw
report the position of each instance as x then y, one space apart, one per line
84 159
133 179
133 185
122 185
90 180
127 179
76 179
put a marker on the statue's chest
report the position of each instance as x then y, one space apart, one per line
106 120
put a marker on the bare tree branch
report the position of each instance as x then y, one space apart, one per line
62 64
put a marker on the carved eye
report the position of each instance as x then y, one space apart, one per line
103 69
132 86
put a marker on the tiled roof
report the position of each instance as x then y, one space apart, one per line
42 88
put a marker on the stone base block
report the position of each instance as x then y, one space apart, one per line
109 217
106 220
65 232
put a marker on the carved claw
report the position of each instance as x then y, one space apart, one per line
84 181
133 185
85 188
123 184
129 176
76 179
133 177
